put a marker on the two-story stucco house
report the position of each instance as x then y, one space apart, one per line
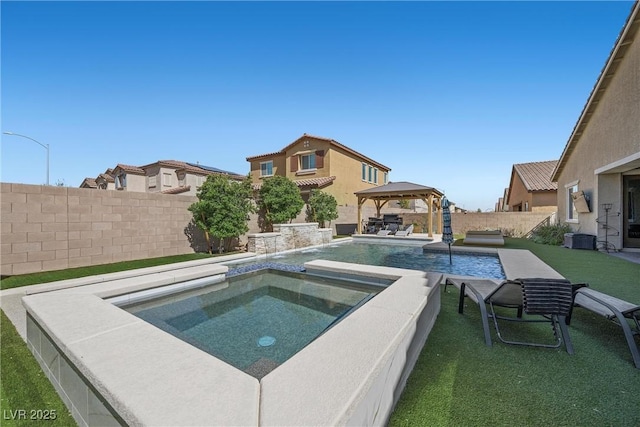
318 162
164 176
530 188
598 174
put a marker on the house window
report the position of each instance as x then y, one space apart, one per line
386 177
181 178
121 180
370 175
364 171
153 181
166 180
308 161
375 175
266 168
572 213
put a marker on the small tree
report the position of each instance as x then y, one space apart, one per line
404 203
280 200
321 207
223 209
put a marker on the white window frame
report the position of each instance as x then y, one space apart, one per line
153 181
262 174
386 178
370 174
375 175
572 213
311 159
364 171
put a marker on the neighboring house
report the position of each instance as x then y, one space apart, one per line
599 170
317 162
164 176
530 188
104 181
502 205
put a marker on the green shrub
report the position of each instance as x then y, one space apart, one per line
551 234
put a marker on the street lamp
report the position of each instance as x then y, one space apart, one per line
46 147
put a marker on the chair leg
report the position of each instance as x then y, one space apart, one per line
485 323
483 312
628 334
461 299
562 322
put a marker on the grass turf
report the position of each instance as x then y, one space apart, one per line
26 396
74 273
457 380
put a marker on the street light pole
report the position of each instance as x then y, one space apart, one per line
46 147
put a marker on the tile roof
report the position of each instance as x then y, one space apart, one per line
322 138
177 190
89 183
106 177
130 169
308 182
536 176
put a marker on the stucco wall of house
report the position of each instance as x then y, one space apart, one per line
300 149
348 171
519 197
137 183
613 133
542 199
51 228
279 167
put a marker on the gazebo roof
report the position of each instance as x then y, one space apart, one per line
395 190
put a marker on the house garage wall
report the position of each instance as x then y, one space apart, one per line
52 228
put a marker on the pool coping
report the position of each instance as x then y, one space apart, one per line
349 375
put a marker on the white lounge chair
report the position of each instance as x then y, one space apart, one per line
408 230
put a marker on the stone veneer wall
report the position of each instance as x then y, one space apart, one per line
288 236
52 228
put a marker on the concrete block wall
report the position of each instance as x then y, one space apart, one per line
514 224
48 228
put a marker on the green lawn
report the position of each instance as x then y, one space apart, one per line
458 381
74 273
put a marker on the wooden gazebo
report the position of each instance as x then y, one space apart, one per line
398 191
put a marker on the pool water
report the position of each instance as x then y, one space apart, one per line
411 257
255 321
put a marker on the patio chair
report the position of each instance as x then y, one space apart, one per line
614 309
543 300
389 229
406 231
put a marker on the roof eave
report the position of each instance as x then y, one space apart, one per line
623 41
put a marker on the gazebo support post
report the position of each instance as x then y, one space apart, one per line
361 201
430 215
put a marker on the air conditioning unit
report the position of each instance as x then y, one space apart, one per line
579 241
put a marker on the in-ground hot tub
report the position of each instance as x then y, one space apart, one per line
254 321
111 367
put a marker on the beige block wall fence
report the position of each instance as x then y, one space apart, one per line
47 228
51 228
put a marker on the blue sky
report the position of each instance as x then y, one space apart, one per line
447 94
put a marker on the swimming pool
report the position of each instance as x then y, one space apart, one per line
255 321
400 256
